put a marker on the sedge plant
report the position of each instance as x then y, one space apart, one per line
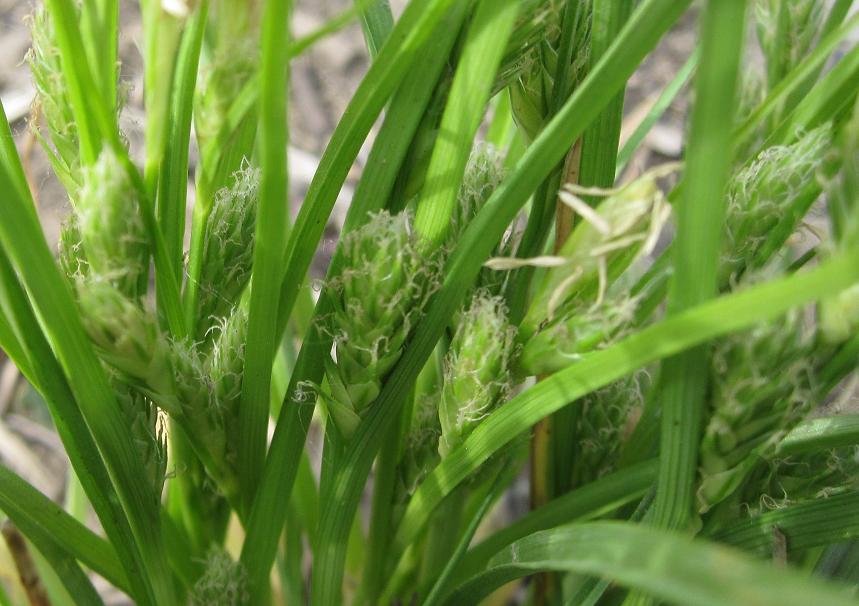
666 353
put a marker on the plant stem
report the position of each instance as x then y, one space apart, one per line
696 254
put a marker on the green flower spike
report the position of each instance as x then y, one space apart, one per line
127 338
111 226
476 369
228 250
750 413
377 298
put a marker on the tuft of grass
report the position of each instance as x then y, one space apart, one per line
677 343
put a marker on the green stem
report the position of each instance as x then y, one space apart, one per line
442 535
696 255
271 231
384 484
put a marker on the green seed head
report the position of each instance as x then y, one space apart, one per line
52 100
127 338
606 421
110 223
749 412
71 251
476 370
195 396
208 380
606 241
226 362
558 344
779 182
224 583
784 481
483 174
228 249
377 298
787 29
531 75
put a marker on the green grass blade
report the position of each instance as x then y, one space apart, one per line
831 94
173 177
696 254
482 52
100 35
385 475
13 349
683 331
822 521
41 520
836 16
377 23
587 502
600 141
89 116
663 102
668 566
627 485
271 230
820 434
438 589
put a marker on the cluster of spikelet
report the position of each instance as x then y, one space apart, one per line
198 382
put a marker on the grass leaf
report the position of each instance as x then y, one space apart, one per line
675 568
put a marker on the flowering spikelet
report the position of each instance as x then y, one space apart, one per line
581 330
226 362
775 184
749 412
536 69
200 412
110 224
476 369
605 421
126 337
70 250
53 101
224 583
377 298
208 382
782 481
483 174
623 227
228 249
786 30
